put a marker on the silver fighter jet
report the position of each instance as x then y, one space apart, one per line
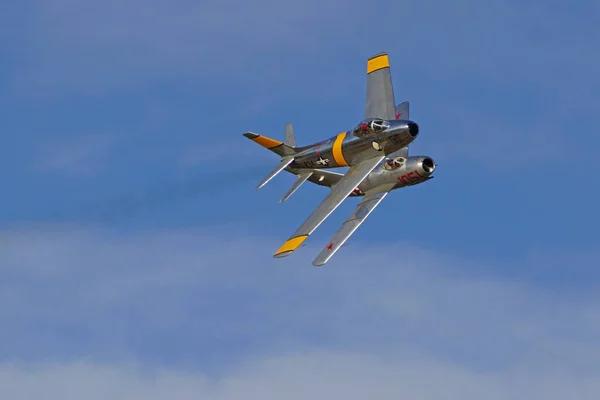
376 151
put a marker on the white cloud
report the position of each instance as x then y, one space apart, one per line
313 375
190 297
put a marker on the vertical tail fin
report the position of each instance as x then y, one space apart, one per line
402 112
290 138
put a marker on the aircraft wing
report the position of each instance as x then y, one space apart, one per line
380 93
339 192
358 216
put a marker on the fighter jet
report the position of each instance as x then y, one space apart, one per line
376 152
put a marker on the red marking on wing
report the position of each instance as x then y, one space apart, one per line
330 246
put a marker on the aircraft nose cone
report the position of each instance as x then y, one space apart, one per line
413 129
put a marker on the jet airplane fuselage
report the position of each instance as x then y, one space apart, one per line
406 172
352 147
376 152
397 172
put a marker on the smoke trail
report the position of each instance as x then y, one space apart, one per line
173 193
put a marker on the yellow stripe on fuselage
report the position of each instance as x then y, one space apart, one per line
267 142
291 245
377 63
338 156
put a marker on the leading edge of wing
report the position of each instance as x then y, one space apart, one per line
339 192
358 216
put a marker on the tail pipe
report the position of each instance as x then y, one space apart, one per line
427 165
413 129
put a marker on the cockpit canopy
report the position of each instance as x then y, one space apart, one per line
370 126
394 163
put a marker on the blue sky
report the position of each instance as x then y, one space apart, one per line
135 253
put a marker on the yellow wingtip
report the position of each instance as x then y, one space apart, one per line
378 62
290 245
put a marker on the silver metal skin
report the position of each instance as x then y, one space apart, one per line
347 183
412 171
376 151
399 171
402 112
390 174
380 92
355 147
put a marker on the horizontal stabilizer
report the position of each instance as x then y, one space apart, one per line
285 161
300 179
275 146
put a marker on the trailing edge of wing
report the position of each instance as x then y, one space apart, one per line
355 175
285 161
358 216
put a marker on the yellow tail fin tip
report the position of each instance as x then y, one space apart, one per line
377 63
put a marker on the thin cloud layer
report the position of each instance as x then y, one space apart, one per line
317 376
208 313
213 300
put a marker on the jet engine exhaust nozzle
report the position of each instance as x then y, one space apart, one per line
413 129
428 165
